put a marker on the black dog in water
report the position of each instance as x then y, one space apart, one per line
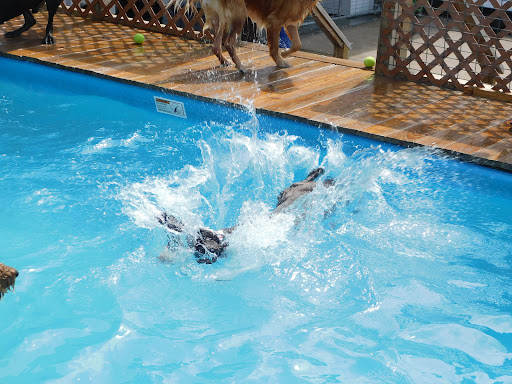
209 244
10 9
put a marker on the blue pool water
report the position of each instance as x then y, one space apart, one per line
400 273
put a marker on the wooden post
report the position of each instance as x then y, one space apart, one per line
385 23
487 58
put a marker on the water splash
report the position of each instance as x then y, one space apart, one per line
94 146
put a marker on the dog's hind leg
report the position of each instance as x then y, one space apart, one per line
230 44
218 30
273 44
293 34
52 6
29 23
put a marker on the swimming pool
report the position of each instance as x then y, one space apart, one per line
401 272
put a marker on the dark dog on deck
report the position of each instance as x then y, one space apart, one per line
210 244
8 277
10 9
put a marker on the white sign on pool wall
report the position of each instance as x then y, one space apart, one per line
171 107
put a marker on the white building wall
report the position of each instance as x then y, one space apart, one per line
348 7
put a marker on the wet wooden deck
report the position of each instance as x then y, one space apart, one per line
333 92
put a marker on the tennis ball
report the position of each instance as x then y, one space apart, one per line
369 62
138 38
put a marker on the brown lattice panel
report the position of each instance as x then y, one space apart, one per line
457 42
144 14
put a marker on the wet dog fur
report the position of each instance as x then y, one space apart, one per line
10 9
8 277
209 244
227 18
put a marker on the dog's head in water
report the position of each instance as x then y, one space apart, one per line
315 173
8 277
209 245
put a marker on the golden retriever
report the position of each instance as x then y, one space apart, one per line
7 278
227 18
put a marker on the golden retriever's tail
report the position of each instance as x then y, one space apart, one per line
189 5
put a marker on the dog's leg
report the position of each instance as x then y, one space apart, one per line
52 6
218 30
29 23
230 43
293 34
171 222
273 44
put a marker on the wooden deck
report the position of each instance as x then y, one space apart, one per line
333 92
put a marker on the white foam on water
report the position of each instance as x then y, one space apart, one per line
95 146
457 337
237 183
498 323
231 162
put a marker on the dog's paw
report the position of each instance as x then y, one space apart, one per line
48 39
12 34
283 64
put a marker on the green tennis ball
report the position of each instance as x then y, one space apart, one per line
138 38
369 62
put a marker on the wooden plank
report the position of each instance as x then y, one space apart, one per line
324 88
153 70
250 85
474 119
200 76
501 151
331 30
314 56
218 78
488 93
270 78
424 121
372 104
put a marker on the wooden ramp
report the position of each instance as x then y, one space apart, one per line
333 92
